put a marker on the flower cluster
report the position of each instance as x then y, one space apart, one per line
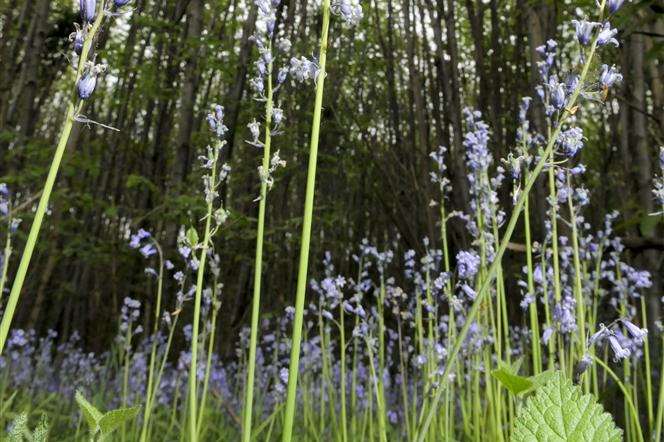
349 10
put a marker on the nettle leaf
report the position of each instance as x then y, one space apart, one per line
41 431
115 418
18 428
559 411
90 413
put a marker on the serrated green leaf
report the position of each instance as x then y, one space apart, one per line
41 432
90 413
192 236
115 418
559 411
18 428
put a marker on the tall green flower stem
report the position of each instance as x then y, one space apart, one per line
205 246
152 386
73 109
660 400
208 363
258 263
484 290
628 399
306 233
534 321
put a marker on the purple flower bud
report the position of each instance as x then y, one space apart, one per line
88 10
86 85
606 36
120 3
558 94
277 116
584 30
78 37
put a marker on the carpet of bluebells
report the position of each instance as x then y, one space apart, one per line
408 346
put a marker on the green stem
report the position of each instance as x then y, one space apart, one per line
72 110
578 289
628 398
534 321
193 433
258 264
660 400
208 365
153 351
342 372
646 350
306 233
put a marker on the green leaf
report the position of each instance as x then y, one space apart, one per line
513 382
90 413
648 224
115 418
19 427
192 236
41 432
559 411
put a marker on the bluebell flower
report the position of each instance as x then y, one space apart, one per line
609 76
618 351
303 69
136 239
120 3
282 75
86 85
599 335
636 332
612 5
349 10
277 116
148 250
606 35
469 292
88 10
571 140
558 93
571 83
78 38
584 30
467 264
255 129
215 120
